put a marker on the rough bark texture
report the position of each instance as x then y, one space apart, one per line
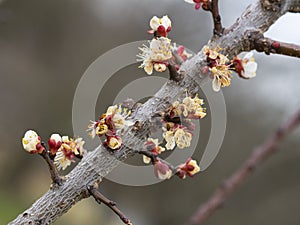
98 163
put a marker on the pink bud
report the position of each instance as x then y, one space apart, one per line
197 6
162 170
275 44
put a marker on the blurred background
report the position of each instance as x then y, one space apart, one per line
46 46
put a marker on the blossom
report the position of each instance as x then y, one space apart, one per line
170 139
160 26
32 142
162 170
218 66
189 107
190 168
62 161
193 107
214 56
221 77
178 135
160 49
110 122
245 65
183 138
69 149
54 143
113 142
152 146
158 52
198 3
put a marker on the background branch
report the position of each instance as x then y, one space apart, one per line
258 156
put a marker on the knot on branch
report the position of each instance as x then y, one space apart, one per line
250 38
271 5
258 42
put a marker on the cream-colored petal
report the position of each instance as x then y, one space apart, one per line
248 56
149 68
166 22
216 84
165 176
56 137
160 67
146 159
250 69
154 23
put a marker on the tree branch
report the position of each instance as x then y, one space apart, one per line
98 163
269 46
258 156
55 177
295 7
218 29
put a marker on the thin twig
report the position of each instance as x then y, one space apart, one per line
56 178
155 158
258 156
218 28
112 205
262 44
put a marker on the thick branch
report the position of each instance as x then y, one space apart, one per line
258 156
98 163
295 7
269 46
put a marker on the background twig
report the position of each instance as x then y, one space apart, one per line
259 155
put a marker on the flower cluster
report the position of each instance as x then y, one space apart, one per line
190 168
219 67
189 107
244 65
156 56
68 151
108 124
159 54
179 131
62 149
178 135
199 3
